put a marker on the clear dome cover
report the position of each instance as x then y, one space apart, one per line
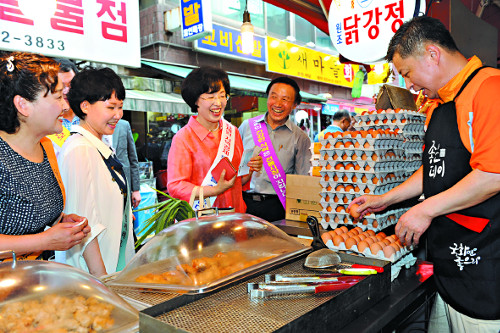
200 255
42 296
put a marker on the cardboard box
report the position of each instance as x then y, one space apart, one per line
302 197
392 97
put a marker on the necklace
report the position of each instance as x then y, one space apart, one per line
215 129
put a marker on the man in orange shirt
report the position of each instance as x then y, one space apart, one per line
460 176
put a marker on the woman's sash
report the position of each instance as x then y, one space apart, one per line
226 149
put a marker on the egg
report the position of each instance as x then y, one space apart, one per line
339 188
382 234
375 248
348 188
344 228
357 239
350 242
345 200
366 145
353 211
362 246
337 240
370 232
379 237
389 251
327 218
335 178
386 241
395 246
335 199
338 166
326 236
357 167
348 144
338 231
354 231
362 236
339 208
369 241
338 144
344 236
349 166
360 231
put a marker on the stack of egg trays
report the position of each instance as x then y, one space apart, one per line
373 221
341 184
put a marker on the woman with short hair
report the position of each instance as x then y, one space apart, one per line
31 191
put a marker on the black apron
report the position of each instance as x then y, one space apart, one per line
466 262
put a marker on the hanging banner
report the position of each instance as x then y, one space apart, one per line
290 59
226 42
196 17
100 31
362 29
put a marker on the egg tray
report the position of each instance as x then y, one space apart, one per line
333 219
363 181
385 219
367 253
356 188
398 114
388 141
376 166
331 174
356 155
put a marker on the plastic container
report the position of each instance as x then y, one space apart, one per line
201 255
44 296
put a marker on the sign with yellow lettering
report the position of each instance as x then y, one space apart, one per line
290 59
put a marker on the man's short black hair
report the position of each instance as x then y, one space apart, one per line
290 82
203 80
66 65
94 85
341 114
412 35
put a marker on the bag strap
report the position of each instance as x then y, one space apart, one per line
200 198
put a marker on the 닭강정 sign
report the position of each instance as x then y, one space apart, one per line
94 30
362 29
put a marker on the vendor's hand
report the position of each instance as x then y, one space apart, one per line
223 185
63 236
73 218
255 163
369 204
136 199
413 224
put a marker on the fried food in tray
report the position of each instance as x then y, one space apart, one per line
55 313
201 255
203 270
43 296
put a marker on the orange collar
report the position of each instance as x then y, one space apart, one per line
449 91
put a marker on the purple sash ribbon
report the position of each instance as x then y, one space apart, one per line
270 161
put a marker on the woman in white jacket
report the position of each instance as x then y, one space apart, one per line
95 183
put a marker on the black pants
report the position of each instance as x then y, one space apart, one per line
267 207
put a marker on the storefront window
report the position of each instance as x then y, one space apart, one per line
323 41
161 128
233 10
304 31
278 21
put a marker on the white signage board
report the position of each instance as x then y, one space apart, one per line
94 30
362 29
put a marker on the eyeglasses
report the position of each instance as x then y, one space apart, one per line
213 97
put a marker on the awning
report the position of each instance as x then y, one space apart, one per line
144 100
245 84
314 11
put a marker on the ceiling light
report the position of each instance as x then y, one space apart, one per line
247 45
